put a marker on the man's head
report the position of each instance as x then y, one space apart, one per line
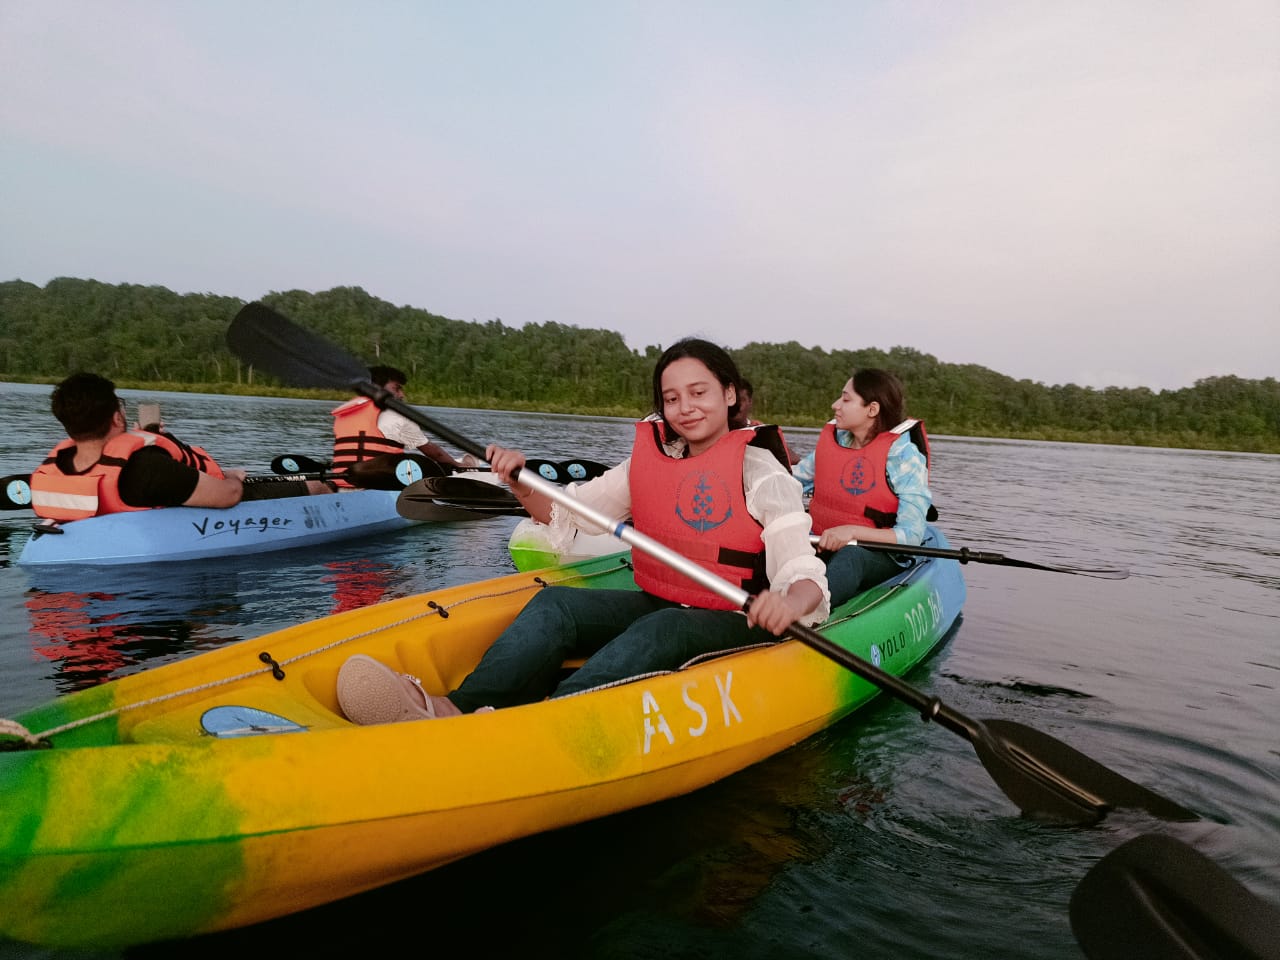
86 405
392 379
746 396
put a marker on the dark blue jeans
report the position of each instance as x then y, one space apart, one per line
623 633
850 570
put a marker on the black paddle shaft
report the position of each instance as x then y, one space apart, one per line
965 555
1045 778
15 489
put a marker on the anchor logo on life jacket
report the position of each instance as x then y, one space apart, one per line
857 477
703 501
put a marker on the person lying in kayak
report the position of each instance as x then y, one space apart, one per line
722 497
103 467
869 476
362 431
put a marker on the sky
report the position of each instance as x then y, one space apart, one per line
1084 192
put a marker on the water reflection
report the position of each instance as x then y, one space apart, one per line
357 583
116 621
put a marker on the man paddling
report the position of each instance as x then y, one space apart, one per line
103 467
361 431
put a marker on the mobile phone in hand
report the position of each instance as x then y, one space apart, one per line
149 416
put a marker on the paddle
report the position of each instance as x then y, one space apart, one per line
15 489
1045 778
298 463
423 501
419 501
965 555
433 511
561 472
386 471
1156 897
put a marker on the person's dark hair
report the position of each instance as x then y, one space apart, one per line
84 404
745 394
882 387
714 358
383 374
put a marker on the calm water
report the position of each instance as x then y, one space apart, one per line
883 837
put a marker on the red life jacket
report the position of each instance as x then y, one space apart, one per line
852 486
356 435
697 506
63 496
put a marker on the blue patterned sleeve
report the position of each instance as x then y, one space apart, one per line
909 477
803 471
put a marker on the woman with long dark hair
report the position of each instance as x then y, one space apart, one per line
717 495
869 476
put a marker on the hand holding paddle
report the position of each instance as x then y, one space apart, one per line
1044 777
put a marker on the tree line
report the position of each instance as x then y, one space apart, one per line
152 336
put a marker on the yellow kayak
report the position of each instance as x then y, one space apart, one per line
228 788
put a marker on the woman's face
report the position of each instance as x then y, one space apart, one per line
852 414
695 404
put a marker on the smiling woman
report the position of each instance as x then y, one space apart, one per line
737 512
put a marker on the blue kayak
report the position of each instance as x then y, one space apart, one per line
197 533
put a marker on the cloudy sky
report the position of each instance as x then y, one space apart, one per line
1083 192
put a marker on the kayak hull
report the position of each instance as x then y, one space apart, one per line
531 548
141 824
197 533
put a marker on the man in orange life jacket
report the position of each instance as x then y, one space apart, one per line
103 467
361 431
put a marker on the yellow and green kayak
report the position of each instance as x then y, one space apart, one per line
228 788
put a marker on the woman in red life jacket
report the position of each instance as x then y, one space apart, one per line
869 476
720 496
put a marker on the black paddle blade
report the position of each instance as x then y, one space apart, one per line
1049 780
15 492
579 470
467 492
1156 897
429 499
547 470
390 471
566 471
430 511
298 463
271 342
1098 573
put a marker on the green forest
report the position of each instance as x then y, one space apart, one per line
151 337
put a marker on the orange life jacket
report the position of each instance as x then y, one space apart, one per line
356 435
96 491
851 486
697 506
